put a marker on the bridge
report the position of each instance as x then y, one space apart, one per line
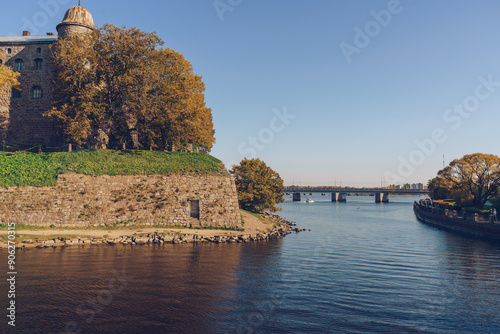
340 194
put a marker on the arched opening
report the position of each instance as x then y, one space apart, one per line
37 92
38 64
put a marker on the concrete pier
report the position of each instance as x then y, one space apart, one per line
382 197
296 197
339 197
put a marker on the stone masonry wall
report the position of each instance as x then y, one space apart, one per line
69 30
21 120
79 200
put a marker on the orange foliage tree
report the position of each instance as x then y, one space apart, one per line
118 86
8 78
472 179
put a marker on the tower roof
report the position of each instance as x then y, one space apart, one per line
78 15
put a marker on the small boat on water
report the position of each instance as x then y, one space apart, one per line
309 200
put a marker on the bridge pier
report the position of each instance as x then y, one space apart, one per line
382 197
296 197
339 197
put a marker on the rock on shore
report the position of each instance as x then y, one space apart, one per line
278 229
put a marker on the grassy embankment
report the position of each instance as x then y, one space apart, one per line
31 169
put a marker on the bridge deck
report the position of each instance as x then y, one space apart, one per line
359 191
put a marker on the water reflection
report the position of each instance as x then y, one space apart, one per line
364 268
472 270
174 289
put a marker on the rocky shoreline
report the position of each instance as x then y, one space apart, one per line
280 229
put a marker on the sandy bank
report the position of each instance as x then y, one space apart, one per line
268 227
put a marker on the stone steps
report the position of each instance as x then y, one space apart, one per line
194 223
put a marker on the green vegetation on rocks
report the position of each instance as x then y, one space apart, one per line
31 169
256 215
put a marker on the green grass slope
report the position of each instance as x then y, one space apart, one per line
31 169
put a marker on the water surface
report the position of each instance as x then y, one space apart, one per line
363 268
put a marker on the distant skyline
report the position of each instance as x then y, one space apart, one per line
364 92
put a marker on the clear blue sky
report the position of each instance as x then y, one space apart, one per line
354 121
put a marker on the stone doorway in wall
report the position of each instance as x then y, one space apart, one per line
195 213
195 209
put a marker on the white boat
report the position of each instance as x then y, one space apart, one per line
309 200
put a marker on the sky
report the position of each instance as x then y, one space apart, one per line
339 92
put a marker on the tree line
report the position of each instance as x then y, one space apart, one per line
117 86
471 181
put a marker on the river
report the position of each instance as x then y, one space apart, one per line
363 268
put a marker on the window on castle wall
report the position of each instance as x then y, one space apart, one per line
39 50
16 93
38 64
19 65
1 61
9 51
37 92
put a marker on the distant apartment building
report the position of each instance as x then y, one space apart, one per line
408 186
417 186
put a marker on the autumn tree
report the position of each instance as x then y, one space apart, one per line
75 94
175 110
439 188
259 187
118 86
472 179
8 78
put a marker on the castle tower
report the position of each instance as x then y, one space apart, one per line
77 20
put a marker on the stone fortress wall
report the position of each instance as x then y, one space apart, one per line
80 201
21 120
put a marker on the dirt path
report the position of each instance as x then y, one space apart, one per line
253 226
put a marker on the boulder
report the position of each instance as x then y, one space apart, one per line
141 240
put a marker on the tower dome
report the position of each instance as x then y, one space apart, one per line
76 20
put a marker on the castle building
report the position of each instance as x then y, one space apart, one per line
21 120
